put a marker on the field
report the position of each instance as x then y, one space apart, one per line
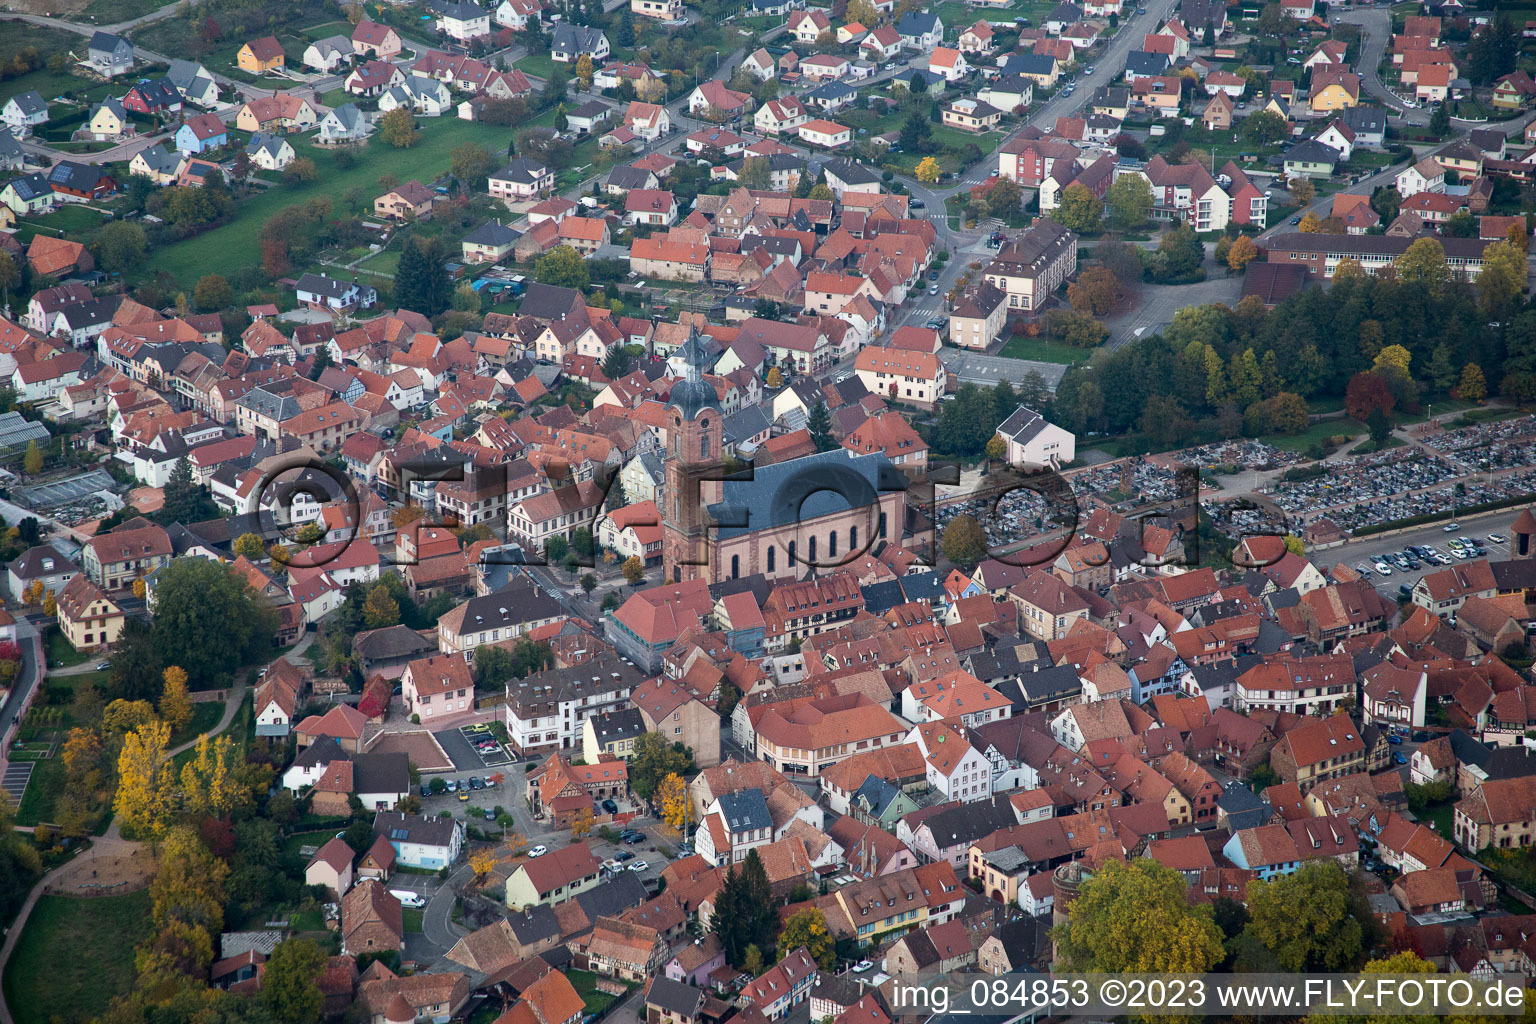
1043 350
232 245
112 12
99 935
19 36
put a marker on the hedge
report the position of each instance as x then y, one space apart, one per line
1434 517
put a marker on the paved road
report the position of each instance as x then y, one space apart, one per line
26 678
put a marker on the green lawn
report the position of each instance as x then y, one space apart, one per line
43 789
585 984
74 956
70 219
1440 816
1043 350
205 715
539 65
1317 433
227 248
413 918
46 40
111 12
59 650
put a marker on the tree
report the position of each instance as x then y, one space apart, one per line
398 129
808 928
482 863
50 604
672 797
1367 392
563 267
863 12
654 759
589 582
819 423
381 609
288 985
207 619
212 293
821 193
1303 191
1492 50
928 170
1135 917
124 716
916 131
964 542
471 164
745 917
249 546
301 171
1473 387
121 245
1095 291
756 173
581 823
616 361
1386 201
145 788
1379 425
32 462
1306 918
752 961
1080 210
493 666
421 282
1164 420
1264 128
175 705
1242 253
633 570
211 783
1130 201
1502 278
997 448
1310 224
1179 254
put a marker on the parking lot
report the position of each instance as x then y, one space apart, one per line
470 750
15 781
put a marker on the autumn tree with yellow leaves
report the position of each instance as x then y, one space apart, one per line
581 823
50 604
482 863
211 785
672 798
928 170
175 705
146 797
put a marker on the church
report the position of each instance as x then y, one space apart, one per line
787 520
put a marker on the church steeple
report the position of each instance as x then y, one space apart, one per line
694 433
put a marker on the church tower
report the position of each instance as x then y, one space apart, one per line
1522 541
693 453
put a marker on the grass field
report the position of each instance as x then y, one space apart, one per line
412 918
111 12
1043 350
61 653
205 715
539 65
99 936
226 248
1317 433
18 37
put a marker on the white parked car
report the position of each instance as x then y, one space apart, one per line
538 851
638 865
408 899
1383 568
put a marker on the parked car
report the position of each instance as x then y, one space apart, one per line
409 899
475 783
916 204
453 785
490 815
1496 538
639 865
1400 757
490 783
862 966
632 839
1394 739
624 856
538 851
463 794
610 807
426 790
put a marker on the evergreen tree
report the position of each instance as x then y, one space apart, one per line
616 362
626 32
1004 401
819 423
